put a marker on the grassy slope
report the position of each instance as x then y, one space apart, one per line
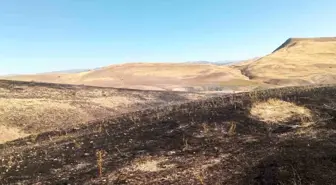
297 62
221 140
155 76
31 108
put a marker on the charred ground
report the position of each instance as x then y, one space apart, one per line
212 141
30 108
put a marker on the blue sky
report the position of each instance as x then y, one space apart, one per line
50 35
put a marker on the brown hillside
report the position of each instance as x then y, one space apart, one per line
290 41
155 76
298 61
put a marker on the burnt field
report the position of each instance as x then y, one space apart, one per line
278 136
28 108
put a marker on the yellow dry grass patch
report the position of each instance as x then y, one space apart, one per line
275 111
148 164
10 133
152 165
39 114
115 101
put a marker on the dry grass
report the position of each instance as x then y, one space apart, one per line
298 61
151 165
163 145
159 70
33 108
40 114
240 82
279 111
10 133
148 76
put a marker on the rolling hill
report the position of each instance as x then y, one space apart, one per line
53 133
298 61
147 76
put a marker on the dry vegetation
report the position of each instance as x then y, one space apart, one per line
226 139
31 108
278 111
95 135
146 76
296 62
